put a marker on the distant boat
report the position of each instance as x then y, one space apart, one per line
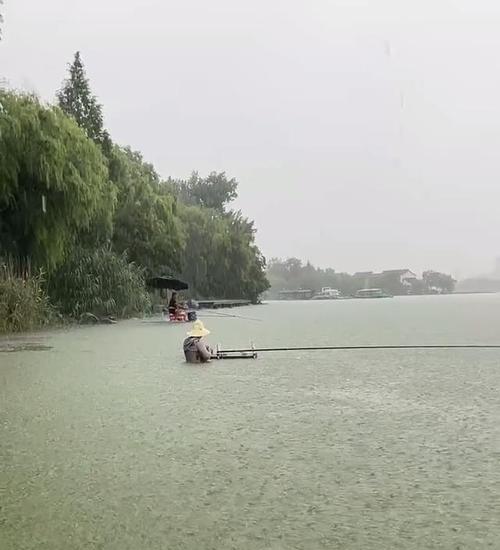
372 293
327 293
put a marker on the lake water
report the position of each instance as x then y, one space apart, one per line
109 441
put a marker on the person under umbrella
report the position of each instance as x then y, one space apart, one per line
172 305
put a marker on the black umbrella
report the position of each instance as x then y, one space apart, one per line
167 282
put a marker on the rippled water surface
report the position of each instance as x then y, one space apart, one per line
109 441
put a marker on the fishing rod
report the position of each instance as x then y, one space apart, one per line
220 314
251 353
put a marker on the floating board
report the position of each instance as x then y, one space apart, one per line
235 354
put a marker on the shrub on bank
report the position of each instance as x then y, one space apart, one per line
100 282
24 305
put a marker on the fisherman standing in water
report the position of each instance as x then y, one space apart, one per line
195 349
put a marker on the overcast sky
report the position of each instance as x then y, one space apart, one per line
365 134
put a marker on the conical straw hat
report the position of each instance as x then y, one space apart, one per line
198 330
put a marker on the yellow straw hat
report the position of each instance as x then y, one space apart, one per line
198 330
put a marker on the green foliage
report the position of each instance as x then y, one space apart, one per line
101 282
221 259
23 303
220 256
82 208
215 191
77 101
145 224
243 260
198 227
53 181
292 274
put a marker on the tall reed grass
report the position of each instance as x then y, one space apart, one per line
24 304
100 282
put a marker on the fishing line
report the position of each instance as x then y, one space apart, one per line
218 314
351 348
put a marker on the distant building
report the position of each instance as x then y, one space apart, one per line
402 276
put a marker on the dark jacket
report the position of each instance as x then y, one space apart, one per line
172 305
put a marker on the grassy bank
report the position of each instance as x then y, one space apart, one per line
24 303
97 282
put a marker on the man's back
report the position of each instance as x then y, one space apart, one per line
196 351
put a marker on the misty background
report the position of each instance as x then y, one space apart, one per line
364 135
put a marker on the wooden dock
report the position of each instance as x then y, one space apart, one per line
217 304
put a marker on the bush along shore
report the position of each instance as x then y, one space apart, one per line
84 221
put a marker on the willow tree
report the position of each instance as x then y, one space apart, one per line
54 181
145 224
205 236
220 257
215 191
246 258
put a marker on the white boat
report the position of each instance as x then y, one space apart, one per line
327 293
372 293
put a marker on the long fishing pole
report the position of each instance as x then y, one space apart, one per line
386 347
220 314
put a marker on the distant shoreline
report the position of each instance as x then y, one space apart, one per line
347 298
477 292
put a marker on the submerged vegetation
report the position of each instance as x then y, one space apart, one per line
97 219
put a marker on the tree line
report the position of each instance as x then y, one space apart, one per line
94 219
293 274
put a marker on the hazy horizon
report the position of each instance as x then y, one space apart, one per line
363 137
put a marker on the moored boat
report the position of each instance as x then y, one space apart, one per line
372 293
327 293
